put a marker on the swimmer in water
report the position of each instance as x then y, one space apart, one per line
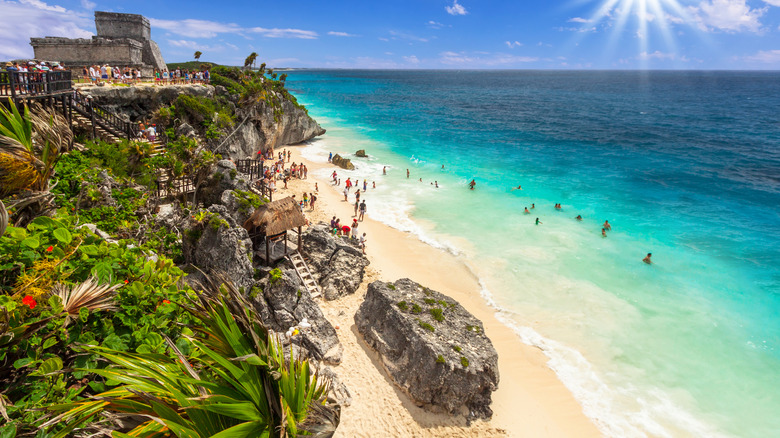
647 259
603 232
517 188
526 211
579 217
472 184
533 206
607 226
537 221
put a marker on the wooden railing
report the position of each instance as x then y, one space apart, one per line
253 168
26 84
104 118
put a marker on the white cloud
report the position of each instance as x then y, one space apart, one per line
88 5
209 29
341 34
657 55
483 60
411 59
765 57
513 44
284 33
773 2
195 28
456 9
434 24
578 20
727 16
186 44
31 19
406 36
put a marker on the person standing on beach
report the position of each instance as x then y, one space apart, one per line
472 184
346 193
357 205
330 157
407 173
363 242
357 195
354 230
312 200
362 210
607 226
365 185
537 221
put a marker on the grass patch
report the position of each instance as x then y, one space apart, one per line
436 313
426 326
464 362
457 348
440 359
402 305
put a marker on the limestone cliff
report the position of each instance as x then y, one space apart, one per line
256 126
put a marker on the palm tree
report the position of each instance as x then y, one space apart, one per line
197 55
31 143
250 60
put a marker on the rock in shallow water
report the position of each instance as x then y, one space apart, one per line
431 347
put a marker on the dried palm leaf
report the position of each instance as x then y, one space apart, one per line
88 294
3 219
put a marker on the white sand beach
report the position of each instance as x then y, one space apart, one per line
530 401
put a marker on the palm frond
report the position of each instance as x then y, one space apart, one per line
3 218
89 294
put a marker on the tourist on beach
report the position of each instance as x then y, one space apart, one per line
526 211
579 217
374 184
151 132
647 259
333 222
345 230
346 193
472 184
436 184
362 210
407 173
357 204
537 221
384 170
312 199
330 157
365 185
354 230
305 199
363 242
357 195
603 232
316 189
338 226
607 226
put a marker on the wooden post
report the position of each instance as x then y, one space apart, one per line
12 84
267 251
300 245
285 243
92 118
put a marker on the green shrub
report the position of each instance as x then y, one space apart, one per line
416 309
456 348
436 313
440 359
426 326
391 286
402 305
464 362
429 300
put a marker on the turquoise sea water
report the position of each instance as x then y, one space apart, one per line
685 165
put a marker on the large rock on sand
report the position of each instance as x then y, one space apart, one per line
336 264
431 347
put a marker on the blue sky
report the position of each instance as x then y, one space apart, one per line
452 34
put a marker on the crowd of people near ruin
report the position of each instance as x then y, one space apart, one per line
98 74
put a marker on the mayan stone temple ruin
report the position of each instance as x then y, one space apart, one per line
122 40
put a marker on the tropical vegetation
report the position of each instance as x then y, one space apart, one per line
103 334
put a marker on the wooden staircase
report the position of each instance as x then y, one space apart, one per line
303 272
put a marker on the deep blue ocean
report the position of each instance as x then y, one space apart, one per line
684 165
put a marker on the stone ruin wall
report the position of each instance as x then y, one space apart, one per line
122 40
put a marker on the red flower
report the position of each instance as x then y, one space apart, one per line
166 302
50 249
126 282
29 301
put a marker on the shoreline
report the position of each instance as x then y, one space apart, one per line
531 401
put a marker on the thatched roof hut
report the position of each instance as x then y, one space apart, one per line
273 220
276 217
